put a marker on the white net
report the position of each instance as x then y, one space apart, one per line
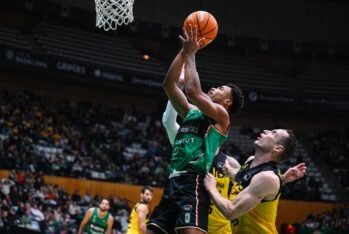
111 13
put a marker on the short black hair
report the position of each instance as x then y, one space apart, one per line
237 98
147 188
289 144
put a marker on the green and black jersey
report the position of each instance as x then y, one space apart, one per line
97 225
195 144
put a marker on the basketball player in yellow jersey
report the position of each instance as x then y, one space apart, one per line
140 212
257 184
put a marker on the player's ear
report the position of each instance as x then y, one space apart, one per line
228 102
279 148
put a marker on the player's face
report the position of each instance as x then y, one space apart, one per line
268 140
104 205
220 93
147 196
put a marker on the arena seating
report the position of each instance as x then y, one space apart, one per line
10 37
95 49
332 147
245 72
325 80
319 80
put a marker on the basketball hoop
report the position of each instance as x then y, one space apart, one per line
113 13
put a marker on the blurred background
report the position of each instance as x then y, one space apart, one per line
81 108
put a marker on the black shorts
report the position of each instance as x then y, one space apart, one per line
184 204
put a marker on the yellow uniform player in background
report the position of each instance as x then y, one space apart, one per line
140 212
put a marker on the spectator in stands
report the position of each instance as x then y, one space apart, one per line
5 185
45 216
335 221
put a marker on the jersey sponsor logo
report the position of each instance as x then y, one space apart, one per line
247 177
187 207
220 185
189 129
187 217
185 141
237 188
96 228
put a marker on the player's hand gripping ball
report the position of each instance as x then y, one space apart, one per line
206 25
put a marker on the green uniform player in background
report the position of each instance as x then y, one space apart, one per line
97 220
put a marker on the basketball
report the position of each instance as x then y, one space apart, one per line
206 25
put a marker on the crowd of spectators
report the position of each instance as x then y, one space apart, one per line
94 141
335 221
28 202
81 140
332 146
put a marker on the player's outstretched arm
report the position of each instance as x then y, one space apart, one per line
263 185
85 220
174 93
294 173
192 82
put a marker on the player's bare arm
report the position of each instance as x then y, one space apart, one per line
142 211
85 220
265 185
110 224
193 86
174 93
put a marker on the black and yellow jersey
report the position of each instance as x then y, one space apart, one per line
262 218
217 222
133 226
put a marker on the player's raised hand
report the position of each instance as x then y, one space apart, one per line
230 168
189 39
294 173
210 181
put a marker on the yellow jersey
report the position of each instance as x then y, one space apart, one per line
217 222
133 227
260 220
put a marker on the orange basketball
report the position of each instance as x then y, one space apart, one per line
206 25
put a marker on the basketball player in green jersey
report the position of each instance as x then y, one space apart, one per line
217 222
185 203
98 220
